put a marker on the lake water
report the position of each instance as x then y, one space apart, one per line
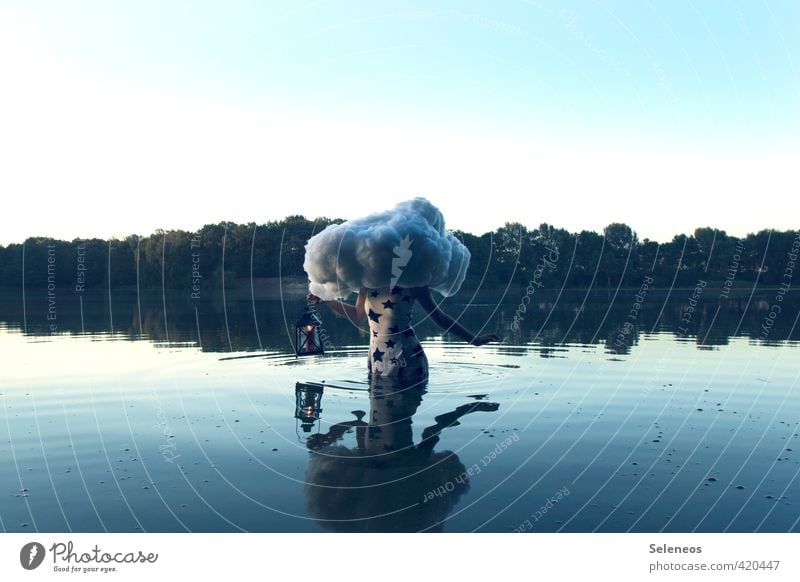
152 412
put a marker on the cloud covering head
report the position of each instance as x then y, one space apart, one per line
406 246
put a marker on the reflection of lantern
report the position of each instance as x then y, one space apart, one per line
308 404
306 331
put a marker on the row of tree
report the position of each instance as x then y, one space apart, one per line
547 256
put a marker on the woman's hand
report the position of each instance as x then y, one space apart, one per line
354 313
484 339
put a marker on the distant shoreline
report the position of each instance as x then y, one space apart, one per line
295 288
249 260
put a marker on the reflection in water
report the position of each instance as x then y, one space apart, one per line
387 482
674 439
308 404
560 317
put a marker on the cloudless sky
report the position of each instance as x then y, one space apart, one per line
123 117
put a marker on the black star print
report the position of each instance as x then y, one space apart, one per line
397 290
389 344
374 316
374 293
394 329
389 304
374 334
377 355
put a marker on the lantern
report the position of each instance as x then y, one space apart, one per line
307 337
308 404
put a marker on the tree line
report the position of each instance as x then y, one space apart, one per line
513 254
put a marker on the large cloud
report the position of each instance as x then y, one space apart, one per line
406 246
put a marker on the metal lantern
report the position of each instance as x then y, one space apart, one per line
308 404
307 336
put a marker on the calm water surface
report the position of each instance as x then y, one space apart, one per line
150 412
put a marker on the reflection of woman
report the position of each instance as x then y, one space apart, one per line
387 482
392 259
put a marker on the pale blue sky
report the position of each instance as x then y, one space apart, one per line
574 113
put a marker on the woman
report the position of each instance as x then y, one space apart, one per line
394 350
393 259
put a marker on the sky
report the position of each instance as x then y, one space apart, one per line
124 117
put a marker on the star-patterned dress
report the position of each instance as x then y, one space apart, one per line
394 350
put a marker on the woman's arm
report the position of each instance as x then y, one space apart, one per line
430 436
447 323
354 313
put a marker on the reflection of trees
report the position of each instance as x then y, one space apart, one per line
606 319
601 318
